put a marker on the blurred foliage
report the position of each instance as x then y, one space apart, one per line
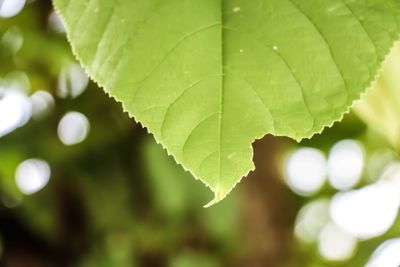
380 106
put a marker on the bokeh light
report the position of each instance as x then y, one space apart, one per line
18 80
367 212
15 110
335 244
10 8
12 40
42 104
72 81
310 220
391 174
386 255
305 170
11 201
73 128
377 162
55 23
32 175
345 164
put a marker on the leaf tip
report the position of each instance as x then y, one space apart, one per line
218 196
216 199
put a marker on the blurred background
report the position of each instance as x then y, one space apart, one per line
81 184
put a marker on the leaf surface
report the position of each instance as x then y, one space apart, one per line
208 77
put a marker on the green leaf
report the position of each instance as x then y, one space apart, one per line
209 77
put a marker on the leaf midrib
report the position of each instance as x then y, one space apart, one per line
217 190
